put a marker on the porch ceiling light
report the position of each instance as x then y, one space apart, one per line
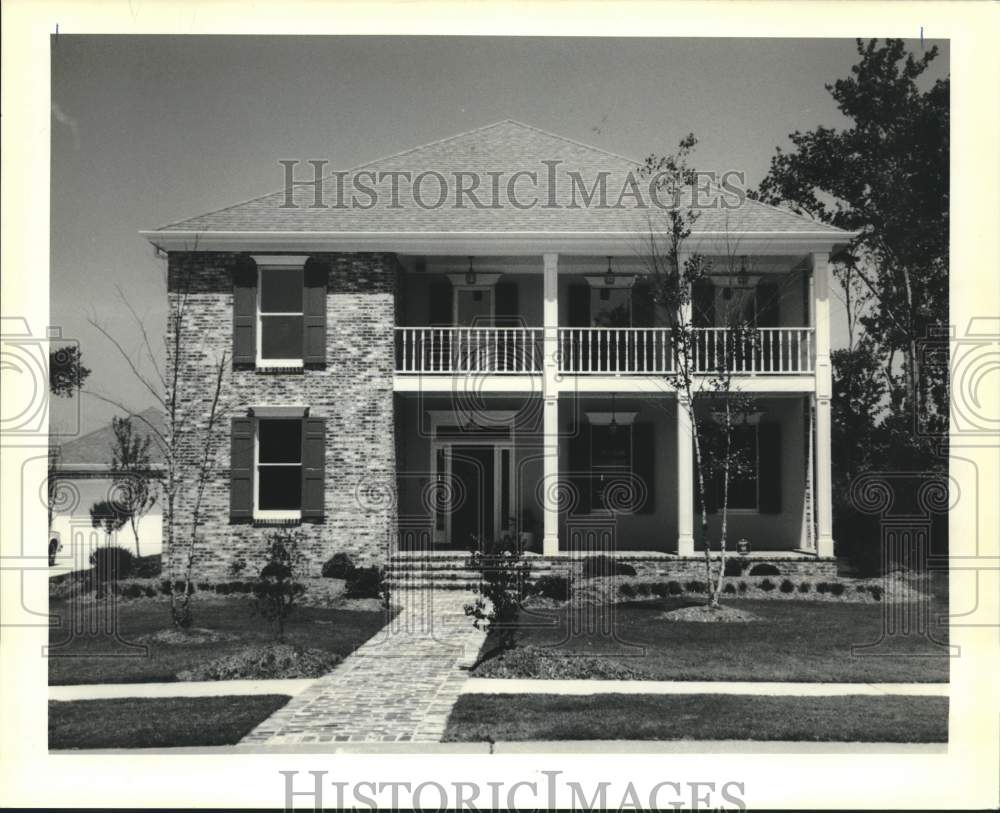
470 275
609 276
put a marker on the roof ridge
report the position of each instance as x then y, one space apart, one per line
573 141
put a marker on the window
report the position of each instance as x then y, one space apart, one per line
280 317
279 469
610 455
743 477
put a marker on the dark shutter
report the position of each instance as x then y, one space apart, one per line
440 303
314 313
579 306
241 470
579 467
644 463
703 304
768 297
313 468
769 468
643 314
506 304
245 311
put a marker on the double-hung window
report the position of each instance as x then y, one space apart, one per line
278 464
280 317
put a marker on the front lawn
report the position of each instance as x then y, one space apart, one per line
891 718
792 641
158 722
95 656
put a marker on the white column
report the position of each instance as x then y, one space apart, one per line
550 394
685 482
824 391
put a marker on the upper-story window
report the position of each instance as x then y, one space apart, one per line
280 312
280 317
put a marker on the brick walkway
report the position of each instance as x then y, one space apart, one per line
399 686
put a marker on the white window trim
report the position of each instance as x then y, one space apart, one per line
269 515
267 263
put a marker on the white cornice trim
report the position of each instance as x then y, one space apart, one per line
490 242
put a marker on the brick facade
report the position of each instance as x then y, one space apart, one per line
353 392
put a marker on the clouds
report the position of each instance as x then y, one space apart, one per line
69 122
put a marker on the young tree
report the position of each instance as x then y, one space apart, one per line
886 176
703 363
190 447
131 474
66 371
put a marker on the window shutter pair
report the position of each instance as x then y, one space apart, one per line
506 300
703 304
579 467
241 467
644 464
245 312
768 297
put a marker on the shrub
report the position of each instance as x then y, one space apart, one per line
822 587
767 585
147 567
876 592
627 590
150 591
837 589
501 588
764 570
696 587
364 582
674 588
729 588
597 566
804 587
661 589
735 567
643 589
338 566
557 588
275 590
743 587
112 562
553 663
133 591
787 586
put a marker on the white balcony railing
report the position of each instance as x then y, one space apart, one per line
468 350
649 351
600 351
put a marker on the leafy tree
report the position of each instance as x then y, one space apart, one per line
886 176
106 515
66 371
130 467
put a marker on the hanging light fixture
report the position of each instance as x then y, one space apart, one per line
613 426
609 276
470 275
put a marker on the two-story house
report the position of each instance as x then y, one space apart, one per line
436 366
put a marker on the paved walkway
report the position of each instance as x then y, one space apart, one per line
399 686
194 688
587 687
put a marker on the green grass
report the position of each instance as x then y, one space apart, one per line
890 718
158 722
795 641
99 658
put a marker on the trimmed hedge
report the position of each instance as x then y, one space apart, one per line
597 566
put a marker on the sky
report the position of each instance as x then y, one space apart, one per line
150 130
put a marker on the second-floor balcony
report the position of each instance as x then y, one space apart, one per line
602 350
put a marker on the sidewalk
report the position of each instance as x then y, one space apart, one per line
201 688
590 687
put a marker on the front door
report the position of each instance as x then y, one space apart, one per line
472 510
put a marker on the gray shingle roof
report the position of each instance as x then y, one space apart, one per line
94 448
505 147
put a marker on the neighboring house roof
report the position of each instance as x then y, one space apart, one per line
92 452
505 147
